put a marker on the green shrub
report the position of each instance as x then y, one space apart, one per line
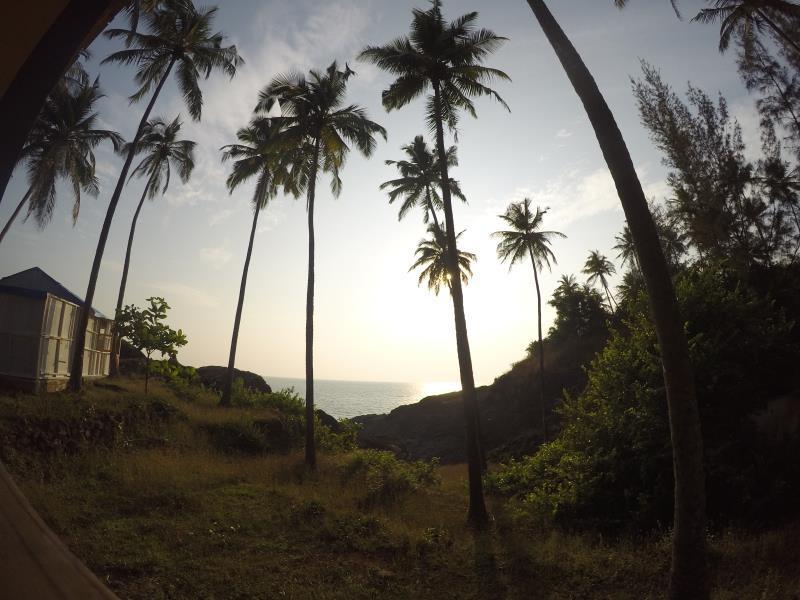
387 479
237 437
611 466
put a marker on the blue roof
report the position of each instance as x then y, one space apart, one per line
36 283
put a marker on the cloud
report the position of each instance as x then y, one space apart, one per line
575 195
187 293
563 134
217 256
219 216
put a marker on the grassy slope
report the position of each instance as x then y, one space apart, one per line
183 521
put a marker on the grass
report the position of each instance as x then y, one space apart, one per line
180 519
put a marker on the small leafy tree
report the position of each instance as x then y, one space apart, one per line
145 329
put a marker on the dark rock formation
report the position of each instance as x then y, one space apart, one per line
510 410
214 377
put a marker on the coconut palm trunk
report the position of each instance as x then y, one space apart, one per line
541 345
14 215
76 370
226 391
431 209
117 341
688 577
311 449
477 515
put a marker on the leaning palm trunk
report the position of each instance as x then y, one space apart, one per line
541 347
15 214
226 391
477 507
76 370
117 341
688 577
311 450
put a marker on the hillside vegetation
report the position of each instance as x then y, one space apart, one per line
169 496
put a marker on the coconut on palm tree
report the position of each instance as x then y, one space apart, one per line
431 256
61 146
598 269
689 573
444 60
318 127
420 180
525 239
179 38
163 151
748 18
256 156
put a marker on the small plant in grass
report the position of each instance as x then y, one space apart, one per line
145 329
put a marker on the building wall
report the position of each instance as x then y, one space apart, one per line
20 329
36 339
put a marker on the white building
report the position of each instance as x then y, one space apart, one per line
38 317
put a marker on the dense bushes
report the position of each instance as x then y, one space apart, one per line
611 467
385 478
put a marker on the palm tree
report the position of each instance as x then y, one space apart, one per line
445 59
163 151
747 18
525 239
431 256
420 179
318 128
61 145
689 573
599 269
179 37
626 250
255 156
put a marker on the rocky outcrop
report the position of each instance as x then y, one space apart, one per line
214 377
510 410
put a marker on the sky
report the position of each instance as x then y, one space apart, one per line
372 321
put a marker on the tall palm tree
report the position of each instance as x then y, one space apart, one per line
255 156
747 18
61 146
178 37
445 59
599 269
318 127
524 239
431 256
420 180
163 151
689 573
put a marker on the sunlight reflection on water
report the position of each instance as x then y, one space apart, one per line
345 399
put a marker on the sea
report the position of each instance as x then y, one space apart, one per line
347 399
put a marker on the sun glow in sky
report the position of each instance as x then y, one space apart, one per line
372 321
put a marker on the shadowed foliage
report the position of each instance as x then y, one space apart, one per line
61 146
598 269
431 256
420 180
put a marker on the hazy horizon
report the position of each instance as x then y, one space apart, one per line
372 321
